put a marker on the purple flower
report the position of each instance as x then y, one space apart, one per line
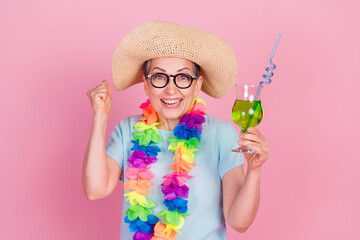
142 236
173 191
138 159
192 121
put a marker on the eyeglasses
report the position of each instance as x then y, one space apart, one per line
181 80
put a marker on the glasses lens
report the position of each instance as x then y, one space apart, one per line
159 80
183 80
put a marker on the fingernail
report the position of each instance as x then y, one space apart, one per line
240 142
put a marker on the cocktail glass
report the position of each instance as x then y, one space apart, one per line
247 110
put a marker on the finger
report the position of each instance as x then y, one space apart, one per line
101 87
97 92
100 95
263 153
107 86
101 90
252 130
257 145
253 134
104 84
252 137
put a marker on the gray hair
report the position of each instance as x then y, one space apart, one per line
146 68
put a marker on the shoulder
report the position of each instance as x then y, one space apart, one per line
213 122
215 127
128 123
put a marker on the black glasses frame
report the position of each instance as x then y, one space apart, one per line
168 79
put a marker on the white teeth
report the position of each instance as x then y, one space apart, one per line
171 102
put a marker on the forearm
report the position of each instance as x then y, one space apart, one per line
95 168
244 208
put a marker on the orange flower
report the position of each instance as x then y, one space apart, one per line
160 234
149 115
140 186
182 166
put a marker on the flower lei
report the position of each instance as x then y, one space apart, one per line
187 138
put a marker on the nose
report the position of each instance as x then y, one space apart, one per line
171 87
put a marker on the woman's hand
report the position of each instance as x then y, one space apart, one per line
100 97
254 140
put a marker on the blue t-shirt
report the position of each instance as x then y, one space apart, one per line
213 160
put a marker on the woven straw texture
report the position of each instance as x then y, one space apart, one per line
151 40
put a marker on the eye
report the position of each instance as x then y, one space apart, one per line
184 77
159 76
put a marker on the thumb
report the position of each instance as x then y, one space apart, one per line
107 85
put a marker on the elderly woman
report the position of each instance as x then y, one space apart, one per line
181 179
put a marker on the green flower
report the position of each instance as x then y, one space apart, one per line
146 137
138 211
172 217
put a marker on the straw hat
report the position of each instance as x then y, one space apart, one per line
217 61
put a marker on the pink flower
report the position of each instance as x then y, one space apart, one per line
178 179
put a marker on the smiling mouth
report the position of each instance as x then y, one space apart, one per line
171 102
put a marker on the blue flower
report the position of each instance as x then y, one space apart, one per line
183 132
178 203
138 225
150 150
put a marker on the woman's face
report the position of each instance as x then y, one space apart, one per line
171 102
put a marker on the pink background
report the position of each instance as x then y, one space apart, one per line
52 52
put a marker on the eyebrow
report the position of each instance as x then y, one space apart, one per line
183 69
177 70
159 69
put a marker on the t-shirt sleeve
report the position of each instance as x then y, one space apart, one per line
229 159
115 147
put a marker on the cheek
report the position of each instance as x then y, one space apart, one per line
154 94
189 97
193 92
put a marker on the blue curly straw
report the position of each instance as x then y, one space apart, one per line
269 69
267 77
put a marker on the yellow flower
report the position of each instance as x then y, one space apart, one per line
186 153
140 126
198 100
135 198
169 228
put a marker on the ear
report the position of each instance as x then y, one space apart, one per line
146 86
198 85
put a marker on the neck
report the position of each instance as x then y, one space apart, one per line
167 124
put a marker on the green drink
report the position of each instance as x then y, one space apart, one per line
247 110
247 114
